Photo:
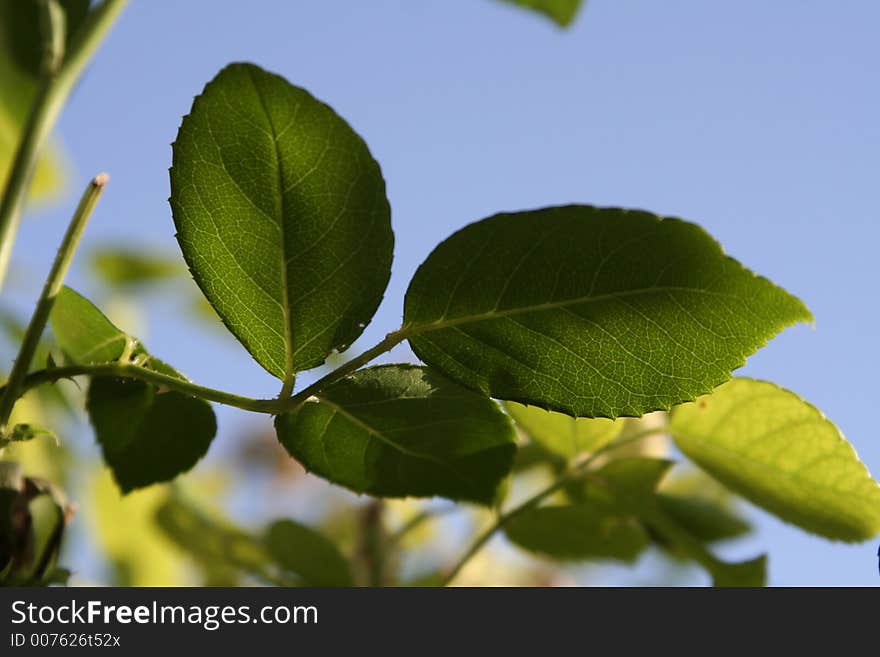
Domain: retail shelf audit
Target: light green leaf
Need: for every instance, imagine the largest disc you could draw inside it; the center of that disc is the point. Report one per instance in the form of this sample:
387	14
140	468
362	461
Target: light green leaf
83	332
562	12
129	267
578	531
148	436
402	430
775	449
591	312
282	217
562	434
308	554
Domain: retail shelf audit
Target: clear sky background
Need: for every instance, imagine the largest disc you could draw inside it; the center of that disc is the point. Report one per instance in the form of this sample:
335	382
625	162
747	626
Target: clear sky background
756	119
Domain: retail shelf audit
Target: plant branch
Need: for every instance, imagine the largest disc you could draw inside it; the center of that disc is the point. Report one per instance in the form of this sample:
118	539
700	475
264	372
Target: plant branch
52	93
54	282
391	340
575	472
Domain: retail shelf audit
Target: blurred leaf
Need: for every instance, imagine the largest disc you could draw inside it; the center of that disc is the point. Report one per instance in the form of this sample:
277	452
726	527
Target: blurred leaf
707	521
212	542
630	486
282	218
20	54
772	447
578	531
402	430
562	434
123	266
23	432
593	312
125	530
531	454
148	436
308	554
562	12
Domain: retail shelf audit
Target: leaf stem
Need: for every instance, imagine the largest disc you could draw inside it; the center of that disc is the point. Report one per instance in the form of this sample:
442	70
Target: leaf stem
133	371
391	340
52	287
575	472
52	93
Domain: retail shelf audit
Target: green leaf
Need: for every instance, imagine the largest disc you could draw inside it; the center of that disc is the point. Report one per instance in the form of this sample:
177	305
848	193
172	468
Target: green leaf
783	454
148	436
562	434
129	267
23	33
308	554
630	485
562	12
591	312
282	218
83	332
402	430
578	531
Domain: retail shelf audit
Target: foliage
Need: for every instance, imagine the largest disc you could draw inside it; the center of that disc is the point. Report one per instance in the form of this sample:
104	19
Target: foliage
542	334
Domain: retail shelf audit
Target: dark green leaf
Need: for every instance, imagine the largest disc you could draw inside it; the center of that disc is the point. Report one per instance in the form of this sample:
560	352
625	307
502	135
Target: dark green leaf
562	12
282	217
705	520
148	436
578	531
561	434
23	34
591	312
402	430
308	554
775	449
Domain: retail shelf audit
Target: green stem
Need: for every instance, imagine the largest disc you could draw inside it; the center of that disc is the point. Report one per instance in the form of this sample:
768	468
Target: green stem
132	371
127	370
391	340
54	282
574	473
51	96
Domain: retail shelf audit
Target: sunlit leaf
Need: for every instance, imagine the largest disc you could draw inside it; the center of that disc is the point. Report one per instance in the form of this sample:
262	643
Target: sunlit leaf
775	449
562	434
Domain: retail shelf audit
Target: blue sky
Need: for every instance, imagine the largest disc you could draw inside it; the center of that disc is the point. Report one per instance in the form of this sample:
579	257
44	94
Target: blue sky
757	120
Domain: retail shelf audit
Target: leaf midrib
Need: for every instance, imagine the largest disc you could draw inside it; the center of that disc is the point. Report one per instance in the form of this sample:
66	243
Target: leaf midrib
414	329
289	372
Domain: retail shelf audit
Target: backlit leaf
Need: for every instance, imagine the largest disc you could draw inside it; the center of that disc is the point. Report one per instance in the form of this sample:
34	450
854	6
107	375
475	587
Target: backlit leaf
591	312
775	449
402	430
282	217
562	434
